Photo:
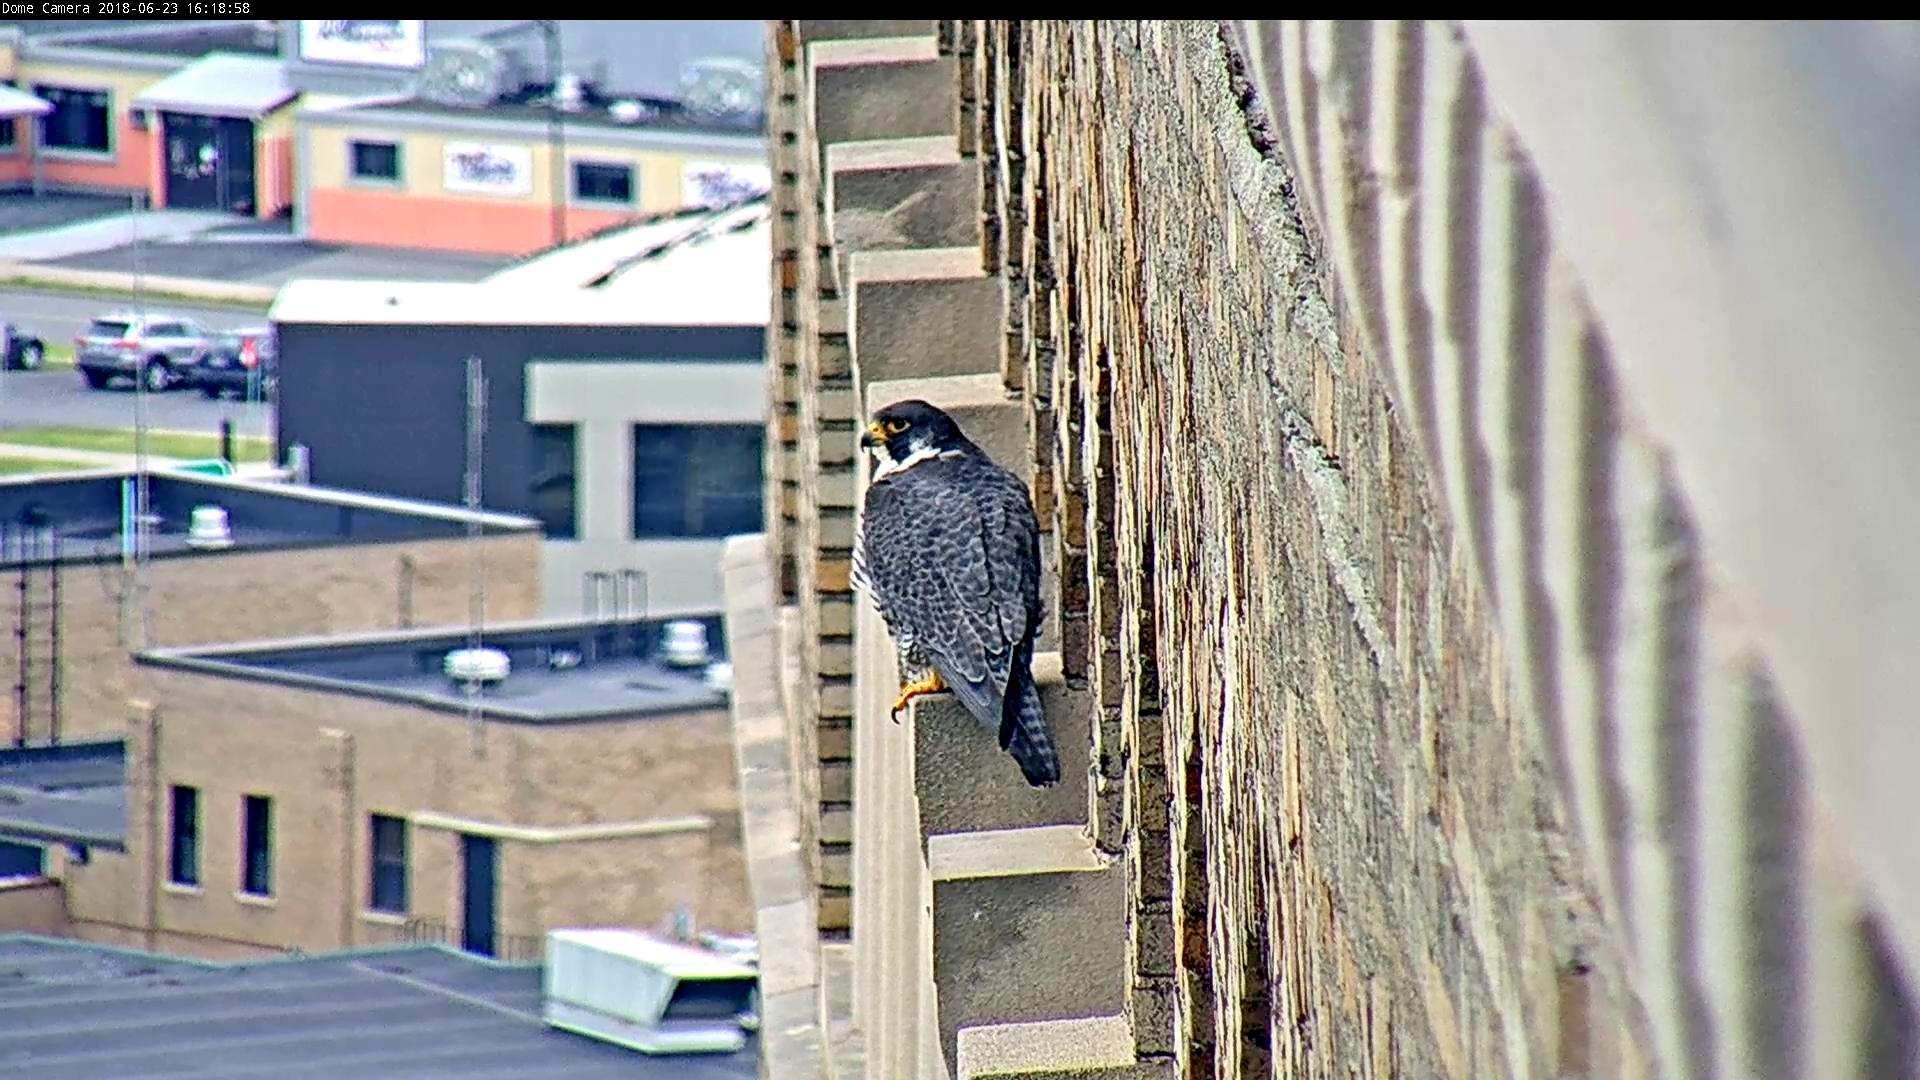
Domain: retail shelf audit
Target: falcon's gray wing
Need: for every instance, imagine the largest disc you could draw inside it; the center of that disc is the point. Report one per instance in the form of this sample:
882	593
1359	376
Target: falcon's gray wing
943	558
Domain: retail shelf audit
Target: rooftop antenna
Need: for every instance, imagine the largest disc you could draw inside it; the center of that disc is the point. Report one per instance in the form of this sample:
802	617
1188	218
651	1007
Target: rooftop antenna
476	552
135	617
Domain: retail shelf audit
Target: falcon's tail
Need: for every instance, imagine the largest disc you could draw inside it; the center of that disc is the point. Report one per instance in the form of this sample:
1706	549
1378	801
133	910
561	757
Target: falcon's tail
1023	731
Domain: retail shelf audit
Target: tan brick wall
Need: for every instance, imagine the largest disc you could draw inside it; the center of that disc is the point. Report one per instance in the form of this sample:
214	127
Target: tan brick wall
329	760
36	906
210	598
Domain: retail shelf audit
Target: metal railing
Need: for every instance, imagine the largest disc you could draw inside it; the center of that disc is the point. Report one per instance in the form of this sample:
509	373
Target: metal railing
507	948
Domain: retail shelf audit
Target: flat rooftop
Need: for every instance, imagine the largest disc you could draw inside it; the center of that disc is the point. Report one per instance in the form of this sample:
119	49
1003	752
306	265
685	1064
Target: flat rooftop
81	517
72	793
561	671
71	1010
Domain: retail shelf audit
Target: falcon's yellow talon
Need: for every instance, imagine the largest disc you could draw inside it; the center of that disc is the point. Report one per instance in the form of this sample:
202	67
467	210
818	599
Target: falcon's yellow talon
929	685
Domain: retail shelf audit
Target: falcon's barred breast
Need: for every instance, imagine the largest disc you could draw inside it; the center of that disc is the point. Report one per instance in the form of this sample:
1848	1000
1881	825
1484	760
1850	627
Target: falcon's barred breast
949	550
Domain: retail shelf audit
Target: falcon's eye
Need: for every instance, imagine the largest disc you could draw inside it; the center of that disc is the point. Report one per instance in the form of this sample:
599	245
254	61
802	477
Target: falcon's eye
895	427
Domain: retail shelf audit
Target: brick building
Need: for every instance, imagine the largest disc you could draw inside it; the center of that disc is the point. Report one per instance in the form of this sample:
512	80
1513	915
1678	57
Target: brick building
335	792
1468	659
302	560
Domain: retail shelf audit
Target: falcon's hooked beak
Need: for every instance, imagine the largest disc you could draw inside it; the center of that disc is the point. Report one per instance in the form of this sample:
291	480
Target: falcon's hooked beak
875	435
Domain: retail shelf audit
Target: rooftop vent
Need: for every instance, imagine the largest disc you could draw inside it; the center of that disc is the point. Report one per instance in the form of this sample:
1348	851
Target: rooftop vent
208	528
568	92
684	644
482	666
720	675
635	990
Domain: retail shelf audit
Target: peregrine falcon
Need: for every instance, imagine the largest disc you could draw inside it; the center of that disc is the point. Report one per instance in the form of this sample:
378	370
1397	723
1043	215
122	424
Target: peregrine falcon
950	552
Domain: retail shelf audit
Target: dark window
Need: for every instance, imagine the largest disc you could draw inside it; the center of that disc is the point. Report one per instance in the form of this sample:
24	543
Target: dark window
376	161
602	183
22	860
552	490
256	874
387	889
696	479
80	120
7	133
183	853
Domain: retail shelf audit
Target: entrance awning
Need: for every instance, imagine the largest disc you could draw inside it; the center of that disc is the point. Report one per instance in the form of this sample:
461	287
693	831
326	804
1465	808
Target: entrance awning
17	104
222	84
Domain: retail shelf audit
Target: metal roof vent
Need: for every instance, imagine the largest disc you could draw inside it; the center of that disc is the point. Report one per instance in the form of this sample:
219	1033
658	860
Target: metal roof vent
684	644
568	92
636	990
483	666
208	528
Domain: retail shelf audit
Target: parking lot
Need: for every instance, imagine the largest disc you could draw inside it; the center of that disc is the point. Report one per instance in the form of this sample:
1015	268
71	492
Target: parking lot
41	398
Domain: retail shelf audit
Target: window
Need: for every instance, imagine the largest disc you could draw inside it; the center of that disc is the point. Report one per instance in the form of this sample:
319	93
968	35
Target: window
603	183
80	120
7	133
696	479
22	860
387	889
183	848
551	488
376	160
256	872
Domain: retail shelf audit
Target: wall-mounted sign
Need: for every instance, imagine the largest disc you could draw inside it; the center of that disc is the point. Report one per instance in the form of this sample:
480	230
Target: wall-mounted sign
713	183
489	169
392	43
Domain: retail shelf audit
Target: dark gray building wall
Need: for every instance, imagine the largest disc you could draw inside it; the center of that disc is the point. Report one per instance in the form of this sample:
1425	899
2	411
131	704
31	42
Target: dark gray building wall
383	408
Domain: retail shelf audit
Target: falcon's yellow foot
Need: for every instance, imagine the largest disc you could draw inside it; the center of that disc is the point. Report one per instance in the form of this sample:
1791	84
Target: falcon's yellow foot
929	685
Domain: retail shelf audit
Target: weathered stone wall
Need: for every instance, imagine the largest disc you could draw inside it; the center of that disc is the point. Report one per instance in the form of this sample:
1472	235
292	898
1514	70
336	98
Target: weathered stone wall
1426	733
1344	840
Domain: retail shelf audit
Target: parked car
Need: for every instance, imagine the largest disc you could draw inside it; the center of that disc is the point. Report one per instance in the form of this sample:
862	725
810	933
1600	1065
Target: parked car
22	351
159	350
244	363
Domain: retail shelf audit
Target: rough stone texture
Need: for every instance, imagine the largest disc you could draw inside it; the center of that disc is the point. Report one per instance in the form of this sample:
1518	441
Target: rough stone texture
1342	844
209	597
1430	737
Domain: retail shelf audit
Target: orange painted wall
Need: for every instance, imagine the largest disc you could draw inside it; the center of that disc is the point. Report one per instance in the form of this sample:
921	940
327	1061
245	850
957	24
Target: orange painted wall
273	175
132	167
393	219
14	166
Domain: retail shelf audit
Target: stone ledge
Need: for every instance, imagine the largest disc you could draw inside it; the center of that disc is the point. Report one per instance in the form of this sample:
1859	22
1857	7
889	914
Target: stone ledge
854	52
1091	1047
1005	852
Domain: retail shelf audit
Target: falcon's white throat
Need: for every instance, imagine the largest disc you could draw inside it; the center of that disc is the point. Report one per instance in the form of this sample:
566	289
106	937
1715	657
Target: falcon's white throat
916	453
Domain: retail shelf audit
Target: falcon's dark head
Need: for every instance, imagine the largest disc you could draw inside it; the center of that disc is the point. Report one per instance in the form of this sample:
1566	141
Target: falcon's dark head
906	428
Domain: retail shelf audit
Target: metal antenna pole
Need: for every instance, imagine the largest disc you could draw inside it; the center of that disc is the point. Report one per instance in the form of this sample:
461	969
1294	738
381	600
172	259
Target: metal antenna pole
476	551
142	499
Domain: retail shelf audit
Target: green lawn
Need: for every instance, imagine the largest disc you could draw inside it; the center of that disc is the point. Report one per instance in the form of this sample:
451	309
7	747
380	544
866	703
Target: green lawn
120	441
13	466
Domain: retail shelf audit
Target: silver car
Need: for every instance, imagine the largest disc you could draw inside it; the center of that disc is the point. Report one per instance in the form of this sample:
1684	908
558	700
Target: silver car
158	349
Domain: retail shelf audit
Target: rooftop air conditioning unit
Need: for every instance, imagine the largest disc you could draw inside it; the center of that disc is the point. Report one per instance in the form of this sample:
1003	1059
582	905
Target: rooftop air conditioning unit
470	73
635	990
481	666
208	528
684	644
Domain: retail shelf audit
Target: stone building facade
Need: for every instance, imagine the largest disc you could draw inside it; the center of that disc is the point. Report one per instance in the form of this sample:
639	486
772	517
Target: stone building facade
1425	709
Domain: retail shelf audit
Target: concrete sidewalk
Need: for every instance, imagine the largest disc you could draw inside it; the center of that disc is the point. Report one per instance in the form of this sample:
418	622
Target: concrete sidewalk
110	232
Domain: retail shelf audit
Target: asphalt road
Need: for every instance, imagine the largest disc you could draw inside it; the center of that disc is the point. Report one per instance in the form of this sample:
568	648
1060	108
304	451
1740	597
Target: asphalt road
32	399
56	318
